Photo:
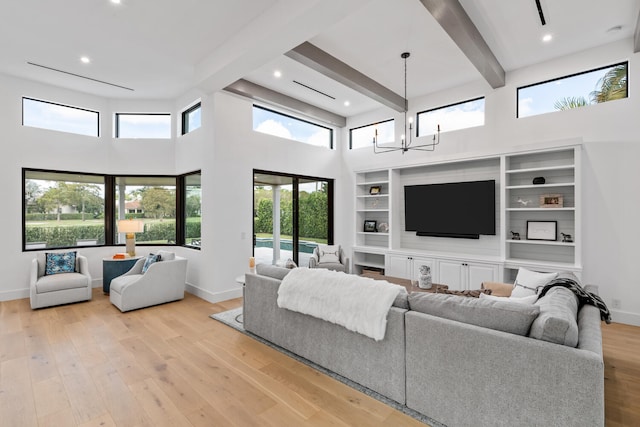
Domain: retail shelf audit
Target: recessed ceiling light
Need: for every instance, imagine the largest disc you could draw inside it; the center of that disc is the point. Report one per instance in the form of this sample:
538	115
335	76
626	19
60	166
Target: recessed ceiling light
85	59
347	103
277	74
115	1
547	38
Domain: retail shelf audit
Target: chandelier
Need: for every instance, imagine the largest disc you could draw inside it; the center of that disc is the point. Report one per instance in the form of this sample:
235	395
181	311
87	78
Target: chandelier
406	145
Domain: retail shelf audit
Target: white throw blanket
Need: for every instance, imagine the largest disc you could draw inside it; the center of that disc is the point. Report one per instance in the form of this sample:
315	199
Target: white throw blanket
358	303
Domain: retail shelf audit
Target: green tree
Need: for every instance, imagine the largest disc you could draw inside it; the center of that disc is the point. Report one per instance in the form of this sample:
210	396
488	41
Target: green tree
193	206
159	202
32	192
85	198
613	85
54	198
263	222
570	102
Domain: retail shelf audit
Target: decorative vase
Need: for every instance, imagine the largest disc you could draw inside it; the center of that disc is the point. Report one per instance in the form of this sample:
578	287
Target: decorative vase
425	277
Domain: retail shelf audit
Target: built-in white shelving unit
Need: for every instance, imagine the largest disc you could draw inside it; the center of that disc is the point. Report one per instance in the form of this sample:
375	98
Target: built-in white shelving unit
518	200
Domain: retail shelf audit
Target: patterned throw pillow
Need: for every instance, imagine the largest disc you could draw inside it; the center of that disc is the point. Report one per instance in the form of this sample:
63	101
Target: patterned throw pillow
328	253
151	258
60	262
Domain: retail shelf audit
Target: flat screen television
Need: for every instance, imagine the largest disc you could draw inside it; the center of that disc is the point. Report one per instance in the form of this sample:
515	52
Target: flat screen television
456	209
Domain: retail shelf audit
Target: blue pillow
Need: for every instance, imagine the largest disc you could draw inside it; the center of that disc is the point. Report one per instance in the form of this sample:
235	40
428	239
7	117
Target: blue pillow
60	262
151	258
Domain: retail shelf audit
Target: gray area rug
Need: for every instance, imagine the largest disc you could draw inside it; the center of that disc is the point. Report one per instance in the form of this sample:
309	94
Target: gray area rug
233	318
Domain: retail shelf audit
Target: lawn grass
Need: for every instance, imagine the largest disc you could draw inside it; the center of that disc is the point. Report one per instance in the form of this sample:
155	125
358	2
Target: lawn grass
100	221
288	237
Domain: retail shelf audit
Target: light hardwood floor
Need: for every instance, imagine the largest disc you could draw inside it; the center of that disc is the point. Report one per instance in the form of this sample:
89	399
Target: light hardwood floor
87	364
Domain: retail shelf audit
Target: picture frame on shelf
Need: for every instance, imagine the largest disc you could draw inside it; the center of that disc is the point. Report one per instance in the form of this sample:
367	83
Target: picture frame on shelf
370	226
374	190
551	201
542	230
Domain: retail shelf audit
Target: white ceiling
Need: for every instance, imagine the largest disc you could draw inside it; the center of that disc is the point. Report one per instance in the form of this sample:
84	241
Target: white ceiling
163	48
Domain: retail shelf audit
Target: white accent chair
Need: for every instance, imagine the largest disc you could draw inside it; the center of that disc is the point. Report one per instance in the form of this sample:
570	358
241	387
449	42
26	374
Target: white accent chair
61	288
342	265
164	281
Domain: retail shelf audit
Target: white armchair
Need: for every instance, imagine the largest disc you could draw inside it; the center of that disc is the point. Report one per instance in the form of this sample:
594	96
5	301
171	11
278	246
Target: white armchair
62	288
164	281
315	261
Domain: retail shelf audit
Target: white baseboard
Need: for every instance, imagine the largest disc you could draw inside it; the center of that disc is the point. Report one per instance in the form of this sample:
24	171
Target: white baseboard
625	317
14	294
213	297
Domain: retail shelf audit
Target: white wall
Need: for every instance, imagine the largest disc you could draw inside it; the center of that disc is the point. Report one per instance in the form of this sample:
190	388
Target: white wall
227	185
611	136
40	148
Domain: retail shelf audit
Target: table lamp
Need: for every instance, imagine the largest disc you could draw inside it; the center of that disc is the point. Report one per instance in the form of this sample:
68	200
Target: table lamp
130	227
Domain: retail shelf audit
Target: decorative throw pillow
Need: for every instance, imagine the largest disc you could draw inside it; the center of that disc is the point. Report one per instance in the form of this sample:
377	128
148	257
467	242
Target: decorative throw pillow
60	262
151	258
290	264
529	282
166	255
328	253
531	299
498	289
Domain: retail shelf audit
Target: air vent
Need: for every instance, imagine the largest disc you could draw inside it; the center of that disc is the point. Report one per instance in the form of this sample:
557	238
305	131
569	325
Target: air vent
313	89
78	75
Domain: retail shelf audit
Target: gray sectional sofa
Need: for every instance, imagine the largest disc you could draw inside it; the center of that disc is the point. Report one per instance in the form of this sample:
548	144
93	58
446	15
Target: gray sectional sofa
435	361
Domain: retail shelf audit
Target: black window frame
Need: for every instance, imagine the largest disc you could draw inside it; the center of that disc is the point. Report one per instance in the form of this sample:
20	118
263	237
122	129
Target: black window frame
97	135
185	118
331	133
109	208
295	208
117	123
181	209
364	126
568	76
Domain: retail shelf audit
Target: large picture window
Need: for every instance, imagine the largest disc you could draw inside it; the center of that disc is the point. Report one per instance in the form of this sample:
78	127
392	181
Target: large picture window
58	117
462	115
362	136
63	209
73	209
143	126
151	199
289	127
574	91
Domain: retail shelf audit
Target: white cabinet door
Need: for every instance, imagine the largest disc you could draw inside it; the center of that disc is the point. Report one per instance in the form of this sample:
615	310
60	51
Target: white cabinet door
397	266
416	263
479	273
451	273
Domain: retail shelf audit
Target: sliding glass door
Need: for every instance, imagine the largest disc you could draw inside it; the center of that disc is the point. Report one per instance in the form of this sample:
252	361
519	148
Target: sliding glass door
292	215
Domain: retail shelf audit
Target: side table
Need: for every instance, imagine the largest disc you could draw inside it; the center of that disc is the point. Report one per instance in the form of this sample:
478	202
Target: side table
112	268
407	283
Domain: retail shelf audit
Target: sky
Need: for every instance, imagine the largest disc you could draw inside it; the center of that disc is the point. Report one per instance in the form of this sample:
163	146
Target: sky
45	115
275	124
539	99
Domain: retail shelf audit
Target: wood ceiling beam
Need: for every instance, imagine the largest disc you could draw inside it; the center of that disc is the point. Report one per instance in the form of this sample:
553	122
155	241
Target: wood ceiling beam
260	93
330	66
454	20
